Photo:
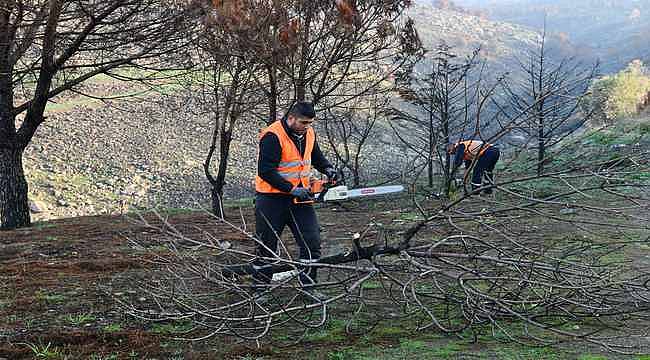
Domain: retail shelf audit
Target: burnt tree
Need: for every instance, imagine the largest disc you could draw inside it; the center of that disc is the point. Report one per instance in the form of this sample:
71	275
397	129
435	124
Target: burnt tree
308	49
48	47
551	93
274	53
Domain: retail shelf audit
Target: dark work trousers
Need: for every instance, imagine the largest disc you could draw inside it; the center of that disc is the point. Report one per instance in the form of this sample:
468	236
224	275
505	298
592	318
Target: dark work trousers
272	213
485	167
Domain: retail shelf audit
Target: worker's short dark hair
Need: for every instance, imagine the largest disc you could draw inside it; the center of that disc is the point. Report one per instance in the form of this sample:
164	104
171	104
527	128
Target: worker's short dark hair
303	109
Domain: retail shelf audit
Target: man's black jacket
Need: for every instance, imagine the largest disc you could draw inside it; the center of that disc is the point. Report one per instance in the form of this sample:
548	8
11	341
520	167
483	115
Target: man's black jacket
271	153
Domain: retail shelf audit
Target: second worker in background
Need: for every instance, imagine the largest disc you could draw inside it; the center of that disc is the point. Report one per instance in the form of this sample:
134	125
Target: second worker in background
468	151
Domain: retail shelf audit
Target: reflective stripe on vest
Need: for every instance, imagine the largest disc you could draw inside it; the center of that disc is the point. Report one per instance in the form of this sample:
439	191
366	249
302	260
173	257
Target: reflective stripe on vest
472	148
292	167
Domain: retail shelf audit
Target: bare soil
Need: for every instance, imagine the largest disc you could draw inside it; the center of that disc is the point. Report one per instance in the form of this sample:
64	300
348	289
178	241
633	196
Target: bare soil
55	271
59	281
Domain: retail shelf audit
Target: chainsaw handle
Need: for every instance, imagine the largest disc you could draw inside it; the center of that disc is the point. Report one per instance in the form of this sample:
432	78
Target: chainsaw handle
296	201
321	190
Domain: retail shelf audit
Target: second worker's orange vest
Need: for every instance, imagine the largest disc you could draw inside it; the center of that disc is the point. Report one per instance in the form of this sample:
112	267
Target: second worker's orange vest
293	167
472	149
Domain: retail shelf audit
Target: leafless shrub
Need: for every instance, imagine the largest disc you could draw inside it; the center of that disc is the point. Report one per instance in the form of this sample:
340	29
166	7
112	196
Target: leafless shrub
529	264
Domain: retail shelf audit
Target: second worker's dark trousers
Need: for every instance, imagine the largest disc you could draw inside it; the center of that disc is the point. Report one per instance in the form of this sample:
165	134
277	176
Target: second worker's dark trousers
272	213
485	167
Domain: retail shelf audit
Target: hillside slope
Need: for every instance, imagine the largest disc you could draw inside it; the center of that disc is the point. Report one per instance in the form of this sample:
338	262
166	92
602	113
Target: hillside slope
614	31
97	158
500	42
103	158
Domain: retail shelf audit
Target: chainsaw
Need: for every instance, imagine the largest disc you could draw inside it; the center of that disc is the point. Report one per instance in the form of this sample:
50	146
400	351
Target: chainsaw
327	190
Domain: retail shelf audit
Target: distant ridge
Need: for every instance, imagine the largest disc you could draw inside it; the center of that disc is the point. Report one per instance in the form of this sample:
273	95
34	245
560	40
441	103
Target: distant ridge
616	31
501	43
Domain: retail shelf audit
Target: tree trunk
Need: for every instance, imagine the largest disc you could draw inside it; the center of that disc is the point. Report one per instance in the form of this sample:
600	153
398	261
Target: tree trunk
541	142
430	168
217	201
431	148
356	178
272	95
540	153
445	141
217	189
447	170
14	209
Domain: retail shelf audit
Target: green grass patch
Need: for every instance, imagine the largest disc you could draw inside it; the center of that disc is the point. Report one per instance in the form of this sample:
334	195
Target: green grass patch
71	104
640	176
592	357
370	285
343	354
412	349
41	351
78	319
389	332
539	188
531	353
614	257
112	328
644	128
49	298
79	181
409	345
236	203
332	332
392	340
601	137
111	356
172	328
40	225
447	351
161	82
411	216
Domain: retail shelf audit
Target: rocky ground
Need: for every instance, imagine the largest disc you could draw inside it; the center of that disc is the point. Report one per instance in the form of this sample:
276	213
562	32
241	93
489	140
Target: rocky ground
501	43
101	159
92	157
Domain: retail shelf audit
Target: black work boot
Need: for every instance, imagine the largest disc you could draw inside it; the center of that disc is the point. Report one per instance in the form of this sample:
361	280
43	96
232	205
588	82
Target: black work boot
308	276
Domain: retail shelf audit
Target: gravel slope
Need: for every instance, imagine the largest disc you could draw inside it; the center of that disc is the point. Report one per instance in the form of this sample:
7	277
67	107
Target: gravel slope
100	158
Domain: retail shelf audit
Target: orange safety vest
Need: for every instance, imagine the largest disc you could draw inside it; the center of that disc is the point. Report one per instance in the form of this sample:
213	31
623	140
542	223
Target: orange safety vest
292	167
472	149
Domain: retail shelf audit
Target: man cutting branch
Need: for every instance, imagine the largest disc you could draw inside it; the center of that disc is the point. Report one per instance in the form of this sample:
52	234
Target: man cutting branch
287	152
